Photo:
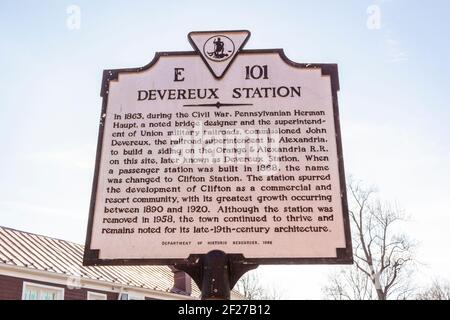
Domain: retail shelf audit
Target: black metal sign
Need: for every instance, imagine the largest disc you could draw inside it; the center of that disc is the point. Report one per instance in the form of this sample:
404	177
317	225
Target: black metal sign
220	150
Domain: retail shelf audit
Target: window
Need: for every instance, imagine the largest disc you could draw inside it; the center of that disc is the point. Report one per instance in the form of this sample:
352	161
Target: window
127	296
96	296
34	291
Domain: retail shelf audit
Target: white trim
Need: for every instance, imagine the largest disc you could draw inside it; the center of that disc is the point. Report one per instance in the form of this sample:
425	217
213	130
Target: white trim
42	286
103	296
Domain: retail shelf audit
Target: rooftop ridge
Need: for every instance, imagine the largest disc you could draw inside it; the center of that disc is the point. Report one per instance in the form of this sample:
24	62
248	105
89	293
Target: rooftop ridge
40	235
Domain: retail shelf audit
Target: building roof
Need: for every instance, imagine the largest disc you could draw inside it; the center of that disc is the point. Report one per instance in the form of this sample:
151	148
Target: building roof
32	251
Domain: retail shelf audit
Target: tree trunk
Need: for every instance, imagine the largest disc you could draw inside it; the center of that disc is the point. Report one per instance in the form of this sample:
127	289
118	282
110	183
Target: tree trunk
381	295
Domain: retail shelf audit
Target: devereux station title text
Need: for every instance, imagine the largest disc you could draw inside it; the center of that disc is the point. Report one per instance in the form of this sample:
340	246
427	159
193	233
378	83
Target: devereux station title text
214	93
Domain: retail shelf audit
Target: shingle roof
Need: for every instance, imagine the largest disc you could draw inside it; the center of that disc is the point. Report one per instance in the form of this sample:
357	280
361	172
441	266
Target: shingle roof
24	249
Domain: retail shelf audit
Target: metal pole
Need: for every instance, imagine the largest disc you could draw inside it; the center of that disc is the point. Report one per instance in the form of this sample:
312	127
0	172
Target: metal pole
215	276
216	272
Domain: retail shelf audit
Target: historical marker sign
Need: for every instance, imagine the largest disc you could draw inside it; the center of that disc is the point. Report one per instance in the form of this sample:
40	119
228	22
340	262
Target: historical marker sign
219	149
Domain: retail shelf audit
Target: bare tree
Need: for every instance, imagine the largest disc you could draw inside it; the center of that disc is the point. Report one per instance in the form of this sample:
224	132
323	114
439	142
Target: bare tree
439	290
251	288
349	284
383	255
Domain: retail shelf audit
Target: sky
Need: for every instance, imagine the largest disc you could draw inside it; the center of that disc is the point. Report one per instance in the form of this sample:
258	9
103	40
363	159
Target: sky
394	102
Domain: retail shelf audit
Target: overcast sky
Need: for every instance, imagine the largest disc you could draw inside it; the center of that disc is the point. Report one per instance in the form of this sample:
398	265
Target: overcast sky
394	70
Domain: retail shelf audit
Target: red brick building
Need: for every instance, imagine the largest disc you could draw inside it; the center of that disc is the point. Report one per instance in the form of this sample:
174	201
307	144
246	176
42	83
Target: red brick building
39	267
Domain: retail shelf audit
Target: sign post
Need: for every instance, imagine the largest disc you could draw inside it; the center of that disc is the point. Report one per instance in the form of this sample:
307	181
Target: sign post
218	160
